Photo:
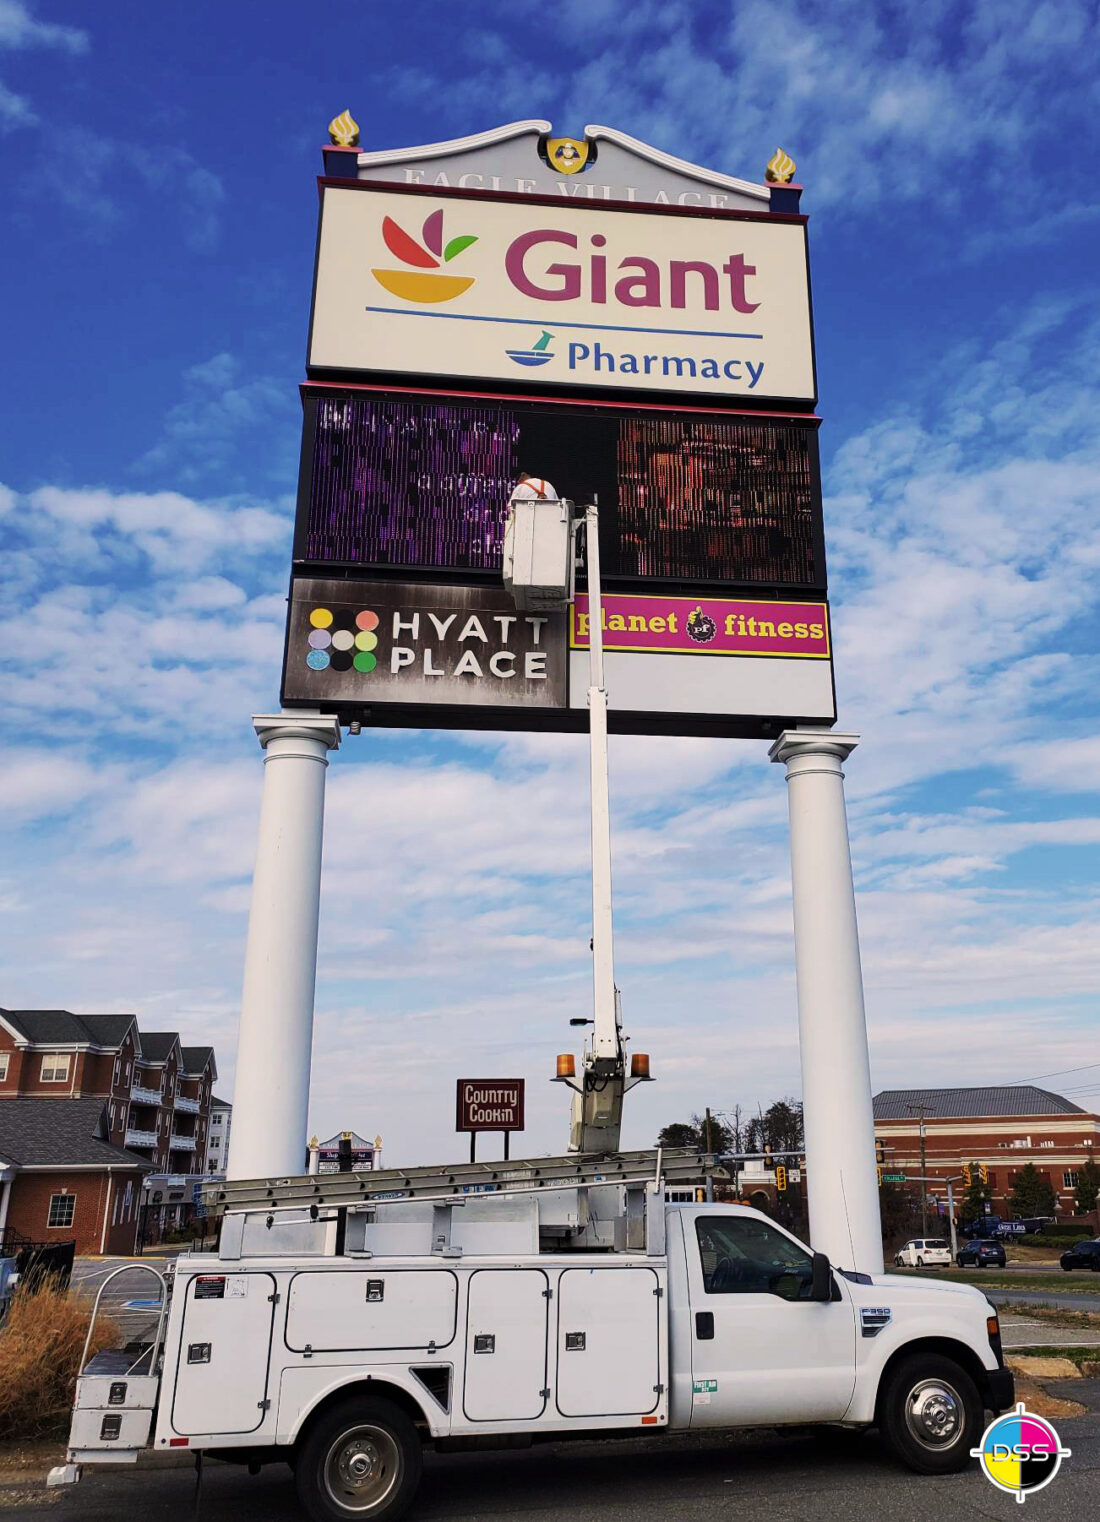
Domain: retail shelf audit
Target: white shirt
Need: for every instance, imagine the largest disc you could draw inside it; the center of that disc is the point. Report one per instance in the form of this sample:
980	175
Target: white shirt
533	489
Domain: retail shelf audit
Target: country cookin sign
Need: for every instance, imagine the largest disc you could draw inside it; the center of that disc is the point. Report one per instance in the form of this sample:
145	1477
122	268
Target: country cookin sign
489	1104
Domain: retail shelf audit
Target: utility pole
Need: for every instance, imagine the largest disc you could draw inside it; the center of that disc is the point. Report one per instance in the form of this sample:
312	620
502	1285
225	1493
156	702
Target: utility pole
951	1218
708	1136
921	1110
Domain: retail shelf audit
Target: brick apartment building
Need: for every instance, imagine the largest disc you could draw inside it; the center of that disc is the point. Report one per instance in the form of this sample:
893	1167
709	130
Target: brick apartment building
154	1094
61	1179
1003	1127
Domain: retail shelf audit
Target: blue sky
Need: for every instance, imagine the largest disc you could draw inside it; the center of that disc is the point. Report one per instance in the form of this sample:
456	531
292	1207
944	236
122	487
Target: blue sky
158	168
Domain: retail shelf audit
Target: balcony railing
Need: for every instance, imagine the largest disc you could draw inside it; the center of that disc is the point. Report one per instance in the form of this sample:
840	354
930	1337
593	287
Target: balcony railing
181	1143
135	1138
143	1096
188	1106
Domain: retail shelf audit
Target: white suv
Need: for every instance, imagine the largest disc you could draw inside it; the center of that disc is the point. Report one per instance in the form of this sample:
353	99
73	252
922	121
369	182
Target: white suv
924	1252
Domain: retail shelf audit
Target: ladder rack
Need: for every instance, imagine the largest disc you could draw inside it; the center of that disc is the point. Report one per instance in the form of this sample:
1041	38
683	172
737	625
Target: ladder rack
463	1180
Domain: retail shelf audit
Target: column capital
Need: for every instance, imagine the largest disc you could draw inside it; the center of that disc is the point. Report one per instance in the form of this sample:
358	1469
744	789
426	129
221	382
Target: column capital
297	726
813	742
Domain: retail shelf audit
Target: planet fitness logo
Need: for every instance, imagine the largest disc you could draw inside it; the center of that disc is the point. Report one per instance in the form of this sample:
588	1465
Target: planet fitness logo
344	641
412	284
701	627
1020	1453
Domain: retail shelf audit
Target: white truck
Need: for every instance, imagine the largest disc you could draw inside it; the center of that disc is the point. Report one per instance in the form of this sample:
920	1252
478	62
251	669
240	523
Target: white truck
348	1322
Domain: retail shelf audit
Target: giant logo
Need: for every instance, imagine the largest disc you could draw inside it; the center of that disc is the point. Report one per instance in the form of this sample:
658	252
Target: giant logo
412	284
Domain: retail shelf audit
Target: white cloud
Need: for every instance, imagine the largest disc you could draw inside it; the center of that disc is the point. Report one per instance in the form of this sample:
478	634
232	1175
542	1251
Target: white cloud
19	29
875	102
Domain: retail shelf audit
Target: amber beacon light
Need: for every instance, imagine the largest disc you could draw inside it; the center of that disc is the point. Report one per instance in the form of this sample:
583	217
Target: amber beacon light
639	1065
567	1065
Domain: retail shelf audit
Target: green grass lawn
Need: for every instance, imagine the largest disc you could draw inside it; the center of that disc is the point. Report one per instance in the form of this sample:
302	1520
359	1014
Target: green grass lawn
1080	1282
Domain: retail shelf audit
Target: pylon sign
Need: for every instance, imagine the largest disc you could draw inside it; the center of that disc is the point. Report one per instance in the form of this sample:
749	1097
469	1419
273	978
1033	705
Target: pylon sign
634	328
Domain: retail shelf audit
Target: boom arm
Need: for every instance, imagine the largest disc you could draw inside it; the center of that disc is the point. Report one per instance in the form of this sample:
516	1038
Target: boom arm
597	1111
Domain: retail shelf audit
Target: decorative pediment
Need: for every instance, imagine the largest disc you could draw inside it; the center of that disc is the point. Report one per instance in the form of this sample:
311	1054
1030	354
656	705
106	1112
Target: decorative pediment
529	158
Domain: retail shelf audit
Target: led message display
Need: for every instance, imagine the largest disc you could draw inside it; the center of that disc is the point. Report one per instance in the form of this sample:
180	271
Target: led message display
423	483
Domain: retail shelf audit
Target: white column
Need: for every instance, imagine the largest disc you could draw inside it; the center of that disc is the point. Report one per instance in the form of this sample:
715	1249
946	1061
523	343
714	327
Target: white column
832	1026
271	1095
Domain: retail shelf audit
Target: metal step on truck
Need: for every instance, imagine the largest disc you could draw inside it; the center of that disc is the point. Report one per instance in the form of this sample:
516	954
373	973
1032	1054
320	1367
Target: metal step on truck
349	1322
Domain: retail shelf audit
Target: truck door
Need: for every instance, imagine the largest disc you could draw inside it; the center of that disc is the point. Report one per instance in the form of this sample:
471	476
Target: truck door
225	1348
609	1342
760	1351
506	1345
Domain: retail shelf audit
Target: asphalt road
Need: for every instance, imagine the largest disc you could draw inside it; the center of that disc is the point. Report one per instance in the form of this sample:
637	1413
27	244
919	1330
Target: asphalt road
750	1477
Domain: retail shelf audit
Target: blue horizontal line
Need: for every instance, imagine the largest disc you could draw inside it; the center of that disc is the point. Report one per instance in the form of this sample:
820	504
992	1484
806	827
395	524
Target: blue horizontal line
535	322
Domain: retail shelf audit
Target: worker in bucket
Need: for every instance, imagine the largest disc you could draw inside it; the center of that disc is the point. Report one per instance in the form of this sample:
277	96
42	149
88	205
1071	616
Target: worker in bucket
532	489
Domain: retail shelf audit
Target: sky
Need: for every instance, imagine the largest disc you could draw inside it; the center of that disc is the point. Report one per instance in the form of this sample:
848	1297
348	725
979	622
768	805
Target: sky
159	172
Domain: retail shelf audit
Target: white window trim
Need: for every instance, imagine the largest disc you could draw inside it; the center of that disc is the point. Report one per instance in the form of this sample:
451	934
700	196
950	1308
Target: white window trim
60	1225
1070	1178
5	1063
53	1058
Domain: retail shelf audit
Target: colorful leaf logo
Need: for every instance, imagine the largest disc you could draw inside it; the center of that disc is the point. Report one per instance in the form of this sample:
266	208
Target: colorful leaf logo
409	251
424	255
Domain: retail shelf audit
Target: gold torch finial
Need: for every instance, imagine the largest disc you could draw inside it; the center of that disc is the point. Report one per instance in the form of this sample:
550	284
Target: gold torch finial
780	168
344	130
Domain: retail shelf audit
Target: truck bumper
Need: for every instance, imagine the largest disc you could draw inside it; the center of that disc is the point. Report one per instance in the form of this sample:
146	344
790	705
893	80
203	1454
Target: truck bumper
1000	1390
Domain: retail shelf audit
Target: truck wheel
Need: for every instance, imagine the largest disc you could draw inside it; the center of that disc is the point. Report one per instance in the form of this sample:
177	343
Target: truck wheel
361	1460
930	1414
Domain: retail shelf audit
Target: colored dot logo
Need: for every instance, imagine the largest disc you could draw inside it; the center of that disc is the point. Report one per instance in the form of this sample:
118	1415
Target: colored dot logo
342	640
1020	1453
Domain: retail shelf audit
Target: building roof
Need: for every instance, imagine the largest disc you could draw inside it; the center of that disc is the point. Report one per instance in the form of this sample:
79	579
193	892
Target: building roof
155	1045
1021	1099
61	1133
108	1030
219	1104
62	1028
195	1058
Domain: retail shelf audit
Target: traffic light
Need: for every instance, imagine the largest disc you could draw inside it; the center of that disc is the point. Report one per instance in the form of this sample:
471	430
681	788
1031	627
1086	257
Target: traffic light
968	1175
880	1151
983	1172
769	1162
781	1178
879	1172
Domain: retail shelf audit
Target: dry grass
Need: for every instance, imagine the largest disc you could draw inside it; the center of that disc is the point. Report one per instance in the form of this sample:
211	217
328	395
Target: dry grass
40	1347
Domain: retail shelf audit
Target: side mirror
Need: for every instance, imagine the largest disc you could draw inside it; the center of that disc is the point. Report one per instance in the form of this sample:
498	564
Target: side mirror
821	1286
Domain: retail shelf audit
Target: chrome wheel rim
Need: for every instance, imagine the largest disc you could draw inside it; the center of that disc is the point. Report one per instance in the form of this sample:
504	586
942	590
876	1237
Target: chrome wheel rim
934	1414
362	1468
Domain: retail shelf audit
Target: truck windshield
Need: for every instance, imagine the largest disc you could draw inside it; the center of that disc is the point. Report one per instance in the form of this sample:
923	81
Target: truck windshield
740	1255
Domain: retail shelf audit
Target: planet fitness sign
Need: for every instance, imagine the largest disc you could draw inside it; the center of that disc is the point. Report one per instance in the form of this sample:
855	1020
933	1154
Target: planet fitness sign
437	285
712	626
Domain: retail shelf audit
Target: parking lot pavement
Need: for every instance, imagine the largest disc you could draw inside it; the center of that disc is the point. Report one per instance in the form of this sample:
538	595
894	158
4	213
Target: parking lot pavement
1019	1332
1043	1297
90	1273
753	1477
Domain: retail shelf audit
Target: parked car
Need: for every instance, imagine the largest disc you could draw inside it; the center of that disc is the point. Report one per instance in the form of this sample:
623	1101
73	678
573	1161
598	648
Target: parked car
984	1253
984	1226
924	1252
1082	1255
